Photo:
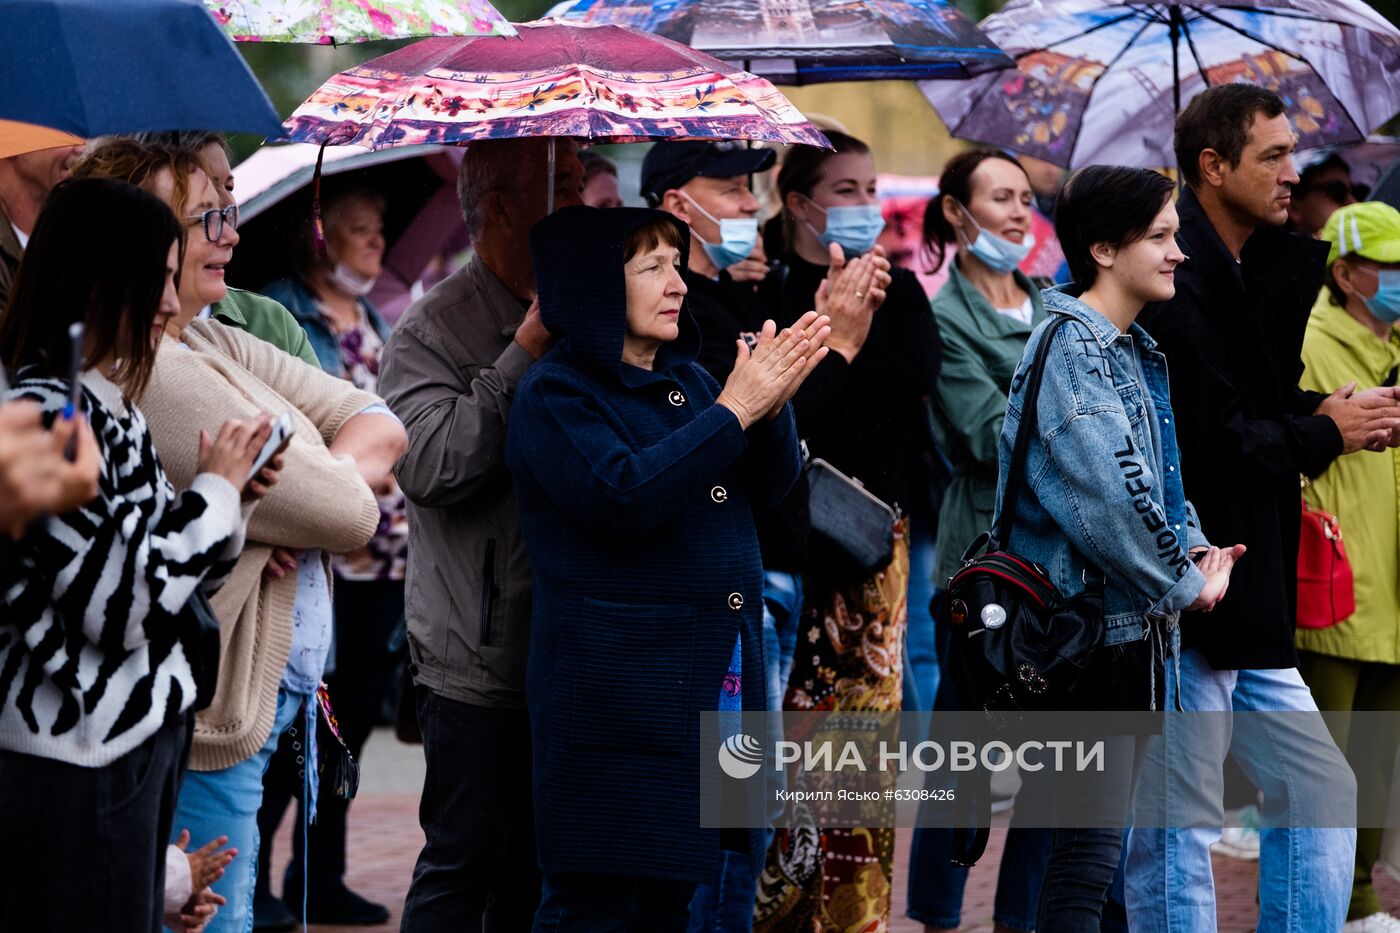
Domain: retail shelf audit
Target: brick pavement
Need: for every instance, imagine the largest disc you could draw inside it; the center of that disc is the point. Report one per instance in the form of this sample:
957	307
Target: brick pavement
385	838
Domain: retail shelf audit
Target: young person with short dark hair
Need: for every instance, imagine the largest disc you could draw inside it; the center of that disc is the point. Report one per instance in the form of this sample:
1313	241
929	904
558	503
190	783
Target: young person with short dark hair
1104	505
1233	331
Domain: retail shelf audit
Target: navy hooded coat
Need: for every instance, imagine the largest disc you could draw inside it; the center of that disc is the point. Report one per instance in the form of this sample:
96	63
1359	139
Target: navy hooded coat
637	497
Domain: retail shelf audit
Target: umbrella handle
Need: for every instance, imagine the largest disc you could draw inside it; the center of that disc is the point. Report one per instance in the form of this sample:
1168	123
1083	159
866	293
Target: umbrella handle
318	230
549	196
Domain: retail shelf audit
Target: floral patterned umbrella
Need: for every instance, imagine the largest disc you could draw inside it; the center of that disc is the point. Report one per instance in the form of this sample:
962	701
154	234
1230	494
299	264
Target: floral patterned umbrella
327	22
607	83
1101	81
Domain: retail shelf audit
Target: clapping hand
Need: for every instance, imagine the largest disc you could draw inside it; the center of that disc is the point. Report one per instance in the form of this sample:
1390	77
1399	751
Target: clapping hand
850	295
766	377
1216	564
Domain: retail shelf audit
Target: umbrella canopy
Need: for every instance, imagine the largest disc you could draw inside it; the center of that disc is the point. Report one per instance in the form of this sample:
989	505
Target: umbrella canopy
810	41
19	138
326	22
421	219
1100	81
595	82
92	67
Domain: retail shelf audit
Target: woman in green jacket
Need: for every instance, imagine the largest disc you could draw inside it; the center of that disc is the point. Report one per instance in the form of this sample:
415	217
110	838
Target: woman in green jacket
985	313
1355	664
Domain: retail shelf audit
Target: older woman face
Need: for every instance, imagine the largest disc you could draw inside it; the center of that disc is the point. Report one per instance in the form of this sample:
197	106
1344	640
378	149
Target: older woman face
355	235
209	243
655	290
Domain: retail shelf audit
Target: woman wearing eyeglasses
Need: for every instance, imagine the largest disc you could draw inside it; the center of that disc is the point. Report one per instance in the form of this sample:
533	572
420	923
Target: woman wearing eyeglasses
275	615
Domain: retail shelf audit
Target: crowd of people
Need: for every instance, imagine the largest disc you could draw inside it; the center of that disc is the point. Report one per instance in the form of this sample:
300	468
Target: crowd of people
573	473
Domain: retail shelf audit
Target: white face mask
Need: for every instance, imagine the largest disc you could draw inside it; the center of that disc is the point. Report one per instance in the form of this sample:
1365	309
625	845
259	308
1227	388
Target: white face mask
351	282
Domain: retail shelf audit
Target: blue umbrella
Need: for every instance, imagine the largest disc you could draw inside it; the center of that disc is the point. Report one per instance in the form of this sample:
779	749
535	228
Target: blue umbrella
92	67
811	41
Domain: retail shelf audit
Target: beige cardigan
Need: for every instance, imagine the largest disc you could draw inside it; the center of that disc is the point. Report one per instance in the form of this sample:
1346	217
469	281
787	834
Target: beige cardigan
318	502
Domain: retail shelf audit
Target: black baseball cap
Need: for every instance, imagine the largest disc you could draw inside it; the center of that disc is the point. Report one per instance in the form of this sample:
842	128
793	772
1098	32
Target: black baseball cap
672	163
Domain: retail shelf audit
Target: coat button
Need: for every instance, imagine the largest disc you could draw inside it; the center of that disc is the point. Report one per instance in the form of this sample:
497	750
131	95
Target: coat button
719	494
676	398
736	601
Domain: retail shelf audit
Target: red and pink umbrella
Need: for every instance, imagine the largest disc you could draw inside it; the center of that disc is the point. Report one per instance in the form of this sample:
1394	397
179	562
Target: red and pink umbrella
607	83
327	22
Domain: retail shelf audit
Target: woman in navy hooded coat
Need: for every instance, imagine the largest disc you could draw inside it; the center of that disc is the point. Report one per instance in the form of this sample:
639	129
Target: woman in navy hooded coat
639	478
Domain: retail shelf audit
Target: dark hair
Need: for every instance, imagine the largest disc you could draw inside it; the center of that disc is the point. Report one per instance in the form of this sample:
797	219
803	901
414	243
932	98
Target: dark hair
955	183
595	163
1219	119
191	141
802	170
1106	204
1308	176
114	289
650	235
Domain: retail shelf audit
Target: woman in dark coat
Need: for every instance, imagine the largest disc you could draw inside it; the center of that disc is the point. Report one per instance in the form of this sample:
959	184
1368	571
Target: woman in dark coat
638	481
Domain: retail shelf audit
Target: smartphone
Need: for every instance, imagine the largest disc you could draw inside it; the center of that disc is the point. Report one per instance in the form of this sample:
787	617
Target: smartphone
281	431
75	381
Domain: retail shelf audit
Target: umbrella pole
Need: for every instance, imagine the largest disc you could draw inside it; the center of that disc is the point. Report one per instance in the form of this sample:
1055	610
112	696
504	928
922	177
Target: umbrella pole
1176	24
549	196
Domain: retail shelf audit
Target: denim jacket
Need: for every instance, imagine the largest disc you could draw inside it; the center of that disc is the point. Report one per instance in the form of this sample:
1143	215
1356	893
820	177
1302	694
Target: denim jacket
298	299
1105	503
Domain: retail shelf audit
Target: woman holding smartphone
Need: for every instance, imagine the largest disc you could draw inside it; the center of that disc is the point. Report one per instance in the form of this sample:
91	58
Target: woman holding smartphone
94	674
275	610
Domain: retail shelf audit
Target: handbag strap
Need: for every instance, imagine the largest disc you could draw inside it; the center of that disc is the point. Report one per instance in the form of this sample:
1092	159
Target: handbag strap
1016	475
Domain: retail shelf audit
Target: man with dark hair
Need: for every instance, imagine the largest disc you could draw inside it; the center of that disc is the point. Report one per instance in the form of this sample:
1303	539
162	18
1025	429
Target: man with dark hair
1233	334
449	371
1323	187
599	180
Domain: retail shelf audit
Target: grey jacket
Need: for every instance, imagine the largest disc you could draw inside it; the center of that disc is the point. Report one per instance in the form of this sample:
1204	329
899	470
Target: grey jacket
449	372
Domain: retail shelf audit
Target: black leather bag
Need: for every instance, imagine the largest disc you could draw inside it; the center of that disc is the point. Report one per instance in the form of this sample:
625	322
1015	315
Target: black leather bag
854	523
199	636
1017	643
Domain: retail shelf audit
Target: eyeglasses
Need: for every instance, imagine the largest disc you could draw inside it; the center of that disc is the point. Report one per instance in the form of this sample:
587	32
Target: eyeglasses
215	220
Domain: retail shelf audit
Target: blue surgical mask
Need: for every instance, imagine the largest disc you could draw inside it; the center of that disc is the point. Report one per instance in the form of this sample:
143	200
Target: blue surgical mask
737	235
999	254
855	227
1385	304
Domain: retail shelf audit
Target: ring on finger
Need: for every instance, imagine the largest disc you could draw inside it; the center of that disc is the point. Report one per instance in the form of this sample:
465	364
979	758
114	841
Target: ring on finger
860	294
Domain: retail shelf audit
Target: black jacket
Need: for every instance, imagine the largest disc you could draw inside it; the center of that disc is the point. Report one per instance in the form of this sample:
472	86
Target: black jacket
1232	336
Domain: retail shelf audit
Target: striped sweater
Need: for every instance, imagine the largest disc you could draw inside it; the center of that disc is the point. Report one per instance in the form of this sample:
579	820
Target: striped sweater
91	663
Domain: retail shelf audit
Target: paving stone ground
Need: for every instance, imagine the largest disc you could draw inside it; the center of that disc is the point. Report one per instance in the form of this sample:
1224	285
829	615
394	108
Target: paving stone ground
385	839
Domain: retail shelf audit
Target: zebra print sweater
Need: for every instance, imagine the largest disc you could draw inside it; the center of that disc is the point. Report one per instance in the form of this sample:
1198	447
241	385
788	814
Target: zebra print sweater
91	661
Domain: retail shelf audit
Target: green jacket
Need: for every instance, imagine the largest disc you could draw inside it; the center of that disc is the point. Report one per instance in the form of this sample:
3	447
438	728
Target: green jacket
1360	490
981	347
265	319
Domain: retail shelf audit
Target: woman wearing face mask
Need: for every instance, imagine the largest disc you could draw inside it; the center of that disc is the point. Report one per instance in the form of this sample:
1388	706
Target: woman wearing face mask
985	312
1355	664
327	298
861	410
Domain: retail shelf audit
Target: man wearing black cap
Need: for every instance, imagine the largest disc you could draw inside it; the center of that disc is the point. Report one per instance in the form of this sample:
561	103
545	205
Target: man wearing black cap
706	185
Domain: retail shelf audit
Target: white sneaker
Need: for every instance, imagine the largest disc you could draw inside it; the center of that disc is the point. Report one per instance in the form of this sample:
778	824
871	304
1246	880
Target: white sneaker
1241	841
1376	923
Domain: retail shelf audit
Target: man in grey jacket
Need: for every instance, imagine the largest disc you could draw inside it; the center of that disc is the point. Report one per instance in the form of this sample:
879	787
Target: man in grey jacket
449	371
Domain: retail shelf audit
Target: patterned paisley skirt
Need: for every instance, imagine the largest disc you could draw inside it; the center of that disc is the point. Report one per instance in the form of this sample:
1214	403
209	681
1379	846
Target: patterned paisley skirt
850	656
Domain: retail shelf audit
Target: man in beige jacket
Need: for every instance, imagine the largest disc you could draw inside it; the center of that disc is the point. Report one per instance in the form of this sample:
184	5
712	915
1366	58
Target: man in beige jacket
449	372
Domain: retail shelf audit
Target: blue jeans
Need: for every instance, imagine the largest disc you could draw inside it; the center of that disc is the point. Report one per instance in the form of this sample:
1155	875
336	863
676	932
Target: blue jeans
1305	874
225	803
921	669
726	905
